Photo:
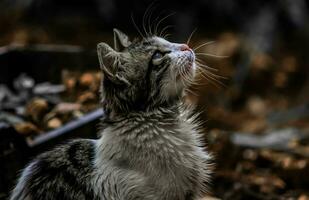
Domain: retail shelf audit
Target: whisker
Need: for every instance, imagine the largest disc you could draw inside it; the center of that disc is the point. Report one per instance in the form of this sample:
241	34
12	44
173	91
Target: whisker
181	73
149	19
209	69
190	36
194	93
187	77
191	91
144	16
214	75
164	29
213	81
134	24
166	35
205	66
197	80
158	24
175	83
206	75
212	55
200	46
157	19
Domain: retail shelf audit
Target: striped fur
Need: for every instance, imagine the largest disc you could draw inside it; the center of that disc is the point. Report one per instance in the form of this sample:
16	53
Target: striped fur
149	147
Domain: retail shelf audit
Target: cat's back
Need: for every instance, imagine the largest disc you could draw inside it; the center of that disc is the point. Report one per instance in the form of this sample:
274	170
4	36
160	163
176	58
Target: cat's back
63	172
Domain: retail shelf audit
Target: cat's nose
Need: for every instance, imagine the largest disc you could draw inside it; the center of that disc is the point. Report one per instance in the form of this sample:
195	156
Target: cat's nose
184	47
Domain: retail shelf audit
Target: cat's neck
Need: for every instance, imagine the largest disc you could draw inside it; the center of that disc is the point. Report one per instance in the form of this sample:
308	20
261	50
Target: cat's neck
166	111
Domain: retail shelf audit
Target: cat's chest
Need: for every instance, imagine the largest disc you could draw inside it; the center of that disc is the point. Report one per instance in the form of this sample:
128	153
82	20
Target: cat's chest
158	140
163	148
170	163
166	157
151	144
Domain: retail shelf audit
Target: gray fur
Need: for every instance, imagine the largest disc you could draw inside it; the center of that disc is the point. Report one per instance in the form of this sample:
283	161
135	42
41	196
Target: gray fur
149	148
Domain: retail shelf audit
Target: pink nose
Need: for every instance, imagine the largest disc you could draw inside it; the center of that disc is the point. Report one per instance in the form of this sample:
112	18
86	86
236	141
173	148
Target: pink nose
184	47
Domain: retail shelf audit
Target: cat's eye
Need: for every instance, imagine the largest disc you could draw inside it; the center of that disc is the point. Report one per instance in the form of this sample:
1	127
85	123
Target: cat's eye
157	55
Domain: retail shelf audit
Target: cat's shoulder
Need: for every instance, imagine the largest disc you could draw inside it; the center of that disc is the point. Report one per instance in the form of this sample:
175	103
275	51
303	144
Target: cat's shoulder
74	157
78	152
67	167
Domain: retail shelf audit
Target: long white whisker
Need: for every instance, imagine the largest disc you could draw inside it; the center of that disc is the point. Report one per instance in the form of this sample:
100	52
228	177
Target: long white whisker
145	17
155	22
190	81
213	74
210	80
175	83
205	66
164	29
184	74
191	91
158	24
190	36
205	74
211	55
200	46
134	24
149	19
166	35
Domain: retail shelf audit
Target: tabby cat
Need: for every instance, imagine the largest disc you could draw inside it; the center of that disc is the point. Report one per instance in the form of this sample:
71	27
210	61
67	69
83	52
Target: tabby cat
149	147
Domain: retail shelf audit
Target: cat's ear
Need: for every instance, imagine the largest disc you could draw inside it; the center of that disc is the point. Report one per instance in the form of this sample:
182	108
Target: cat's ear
121	40
109	63
107	58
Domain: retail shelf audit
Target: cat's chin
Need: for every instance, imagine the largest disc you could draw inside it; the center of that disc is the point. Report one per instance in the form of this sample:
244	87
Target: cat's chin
190	68
188	72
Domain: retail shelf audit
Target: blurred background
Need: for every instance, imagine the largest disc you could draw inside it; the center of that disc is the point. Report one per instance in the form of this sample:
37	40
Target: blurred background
256	116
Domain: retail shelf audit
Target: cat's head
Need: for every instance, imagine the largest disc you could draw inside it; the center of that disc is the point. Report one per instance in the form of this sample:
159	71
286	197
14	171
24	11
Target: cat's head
145	73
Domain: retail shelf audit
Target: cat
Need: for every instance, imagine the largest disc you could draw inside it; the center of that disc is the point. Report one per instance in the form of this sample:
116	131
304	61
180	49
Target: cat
149	147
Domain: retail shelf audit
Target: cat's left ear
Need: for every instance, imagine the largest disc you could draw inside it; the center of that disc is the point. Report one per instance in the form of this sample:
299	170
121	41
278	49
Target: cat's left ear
121	40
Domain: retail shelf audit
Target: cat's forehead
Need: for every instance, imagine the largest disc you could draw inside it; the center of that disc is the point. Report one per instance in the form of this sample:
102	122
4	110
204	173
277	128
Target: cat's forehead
150	44
157	43
160	41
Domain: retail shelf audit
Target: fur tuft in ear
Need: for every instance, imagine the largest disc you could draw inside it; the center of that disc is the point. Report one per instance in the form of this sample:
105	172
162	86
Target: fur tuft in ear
121	40
110	63
107	58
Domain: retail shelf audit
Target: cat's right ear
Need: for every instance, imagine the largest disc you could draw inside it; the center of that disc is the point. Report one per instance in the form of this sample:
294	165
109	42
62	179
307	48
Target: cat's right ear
121	40
107	59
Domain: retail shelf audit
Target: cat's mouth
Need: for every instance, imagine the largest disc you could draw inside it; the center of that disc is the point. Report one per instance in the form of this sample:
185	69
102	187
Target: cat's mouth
191	59
186	70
